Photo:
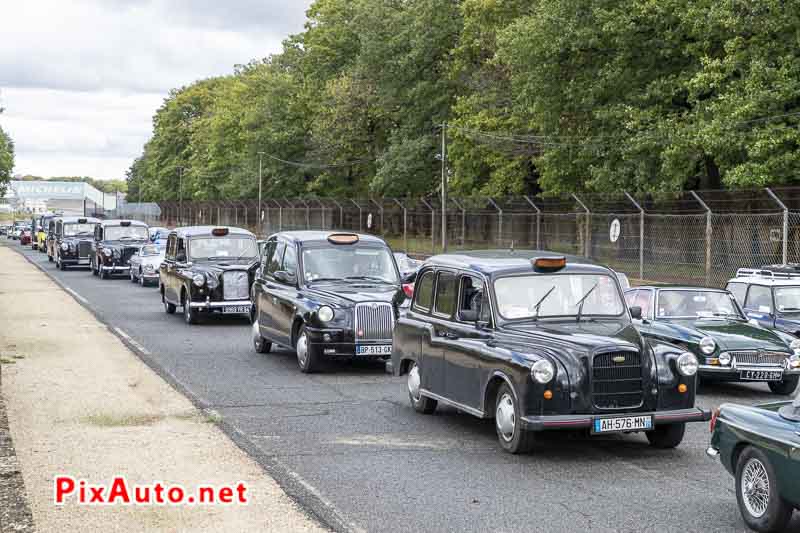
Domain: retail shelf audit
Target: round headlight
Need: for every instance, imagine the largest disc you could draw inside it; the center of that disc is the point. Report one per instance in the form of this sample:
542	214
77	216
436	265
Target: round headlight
793	362
687	364
107	252
724	359
707	345
199	280
325	314
543	371
64	246
795	345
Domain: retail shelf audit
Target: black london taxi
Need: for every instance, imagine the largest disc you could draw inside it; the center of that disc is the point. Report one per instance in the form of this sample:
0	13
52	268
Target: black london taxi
208	269
72	241
327	296
115	241
709	323
539	342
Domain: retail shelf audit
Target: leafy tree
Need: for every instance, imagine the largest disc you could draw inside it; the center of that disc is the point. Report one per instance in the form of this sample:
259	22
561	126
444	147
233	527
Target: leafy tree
6	160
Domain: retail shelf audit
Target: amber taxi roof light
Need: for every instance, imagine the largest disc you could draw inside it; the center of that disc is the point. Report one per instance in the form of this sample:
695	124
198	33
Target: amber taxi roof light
342	238
549	263
125	223
219	232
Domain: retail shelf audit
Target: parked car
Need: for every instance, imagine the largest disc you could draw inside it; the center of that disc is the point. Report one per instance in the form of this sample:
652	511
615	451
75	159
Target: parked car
145	263
327	296
709	323
115	241
34	242
50	239
760	447
44	227
540	342
72	241
406	265
208	270
25	235
770	296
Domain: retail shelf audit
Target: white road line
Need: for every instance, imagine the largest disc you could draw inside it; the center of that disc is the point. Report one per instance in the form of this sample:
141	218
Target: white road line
135	344
76	295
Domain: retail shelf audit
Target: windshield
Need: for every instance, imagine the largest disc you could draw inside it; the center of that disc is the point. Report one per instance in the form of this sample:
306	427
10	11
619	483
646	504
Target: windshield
787	298
151	249
222	248
351	262
557	295
696	304
78	229
125	233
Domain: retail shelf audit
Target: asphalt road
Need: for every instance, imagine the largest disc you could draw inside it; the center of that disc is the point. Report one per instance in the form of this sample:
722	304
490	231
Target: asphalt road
348	446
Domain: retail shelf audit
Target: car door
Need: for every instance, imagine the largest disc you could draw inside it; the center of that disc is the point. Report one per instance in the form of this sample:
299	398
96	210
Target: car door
268	301
168	270
431	352
464	343
758	305
284	295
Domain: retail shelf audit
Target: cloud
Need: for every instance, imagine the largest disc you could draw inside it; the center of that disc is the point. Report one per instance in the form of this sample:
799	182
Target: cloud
80	80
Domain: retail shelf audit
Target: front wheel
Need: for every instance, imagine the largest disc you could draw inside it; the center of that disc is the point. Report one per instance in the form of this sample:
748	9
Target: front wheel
133	276
189	314
508	423
420	403
761	506
168	307
785	387
306	358
667	436
260	344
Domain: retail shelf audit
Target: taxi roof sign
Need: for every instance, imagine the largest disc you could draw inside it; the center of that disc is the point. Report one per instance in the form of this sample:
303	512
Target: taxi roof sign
343	238
549	263
219	232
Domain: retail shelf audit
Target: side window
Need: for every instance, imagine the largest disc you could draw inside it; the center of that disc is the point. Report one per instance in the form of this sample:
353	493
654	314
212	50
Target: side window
290	259
445	295
269	251
470	298
423	293
277	258
180	253
630	298
759	299
738	290
645	300
171	247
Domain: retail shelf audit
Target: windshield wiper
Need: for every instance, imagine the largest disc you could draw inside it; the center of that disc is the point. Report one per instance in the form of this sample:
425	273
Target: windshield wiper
582	300
541	301
370	278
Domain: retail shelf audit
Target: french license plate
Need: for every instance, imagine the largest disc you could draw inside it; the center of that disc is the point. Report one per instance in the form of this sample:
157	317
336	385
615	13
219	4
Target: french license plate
236	310
622	423
374	349
761	375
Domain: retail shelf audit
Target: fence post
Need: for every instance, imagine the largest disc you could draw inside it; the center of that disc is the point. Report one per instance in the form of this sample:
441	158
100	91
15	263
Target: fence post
588	244
280	215
709	231
499	222
538	219
380	210
785	224
433	225
341	213
218	216
308	213
405	224
641	234
360	227
322	211
463	221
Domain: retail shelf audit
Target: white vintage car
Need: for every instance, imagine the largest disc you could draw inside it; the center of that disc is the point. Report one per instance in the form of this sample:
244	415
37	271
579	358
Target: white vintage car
145	262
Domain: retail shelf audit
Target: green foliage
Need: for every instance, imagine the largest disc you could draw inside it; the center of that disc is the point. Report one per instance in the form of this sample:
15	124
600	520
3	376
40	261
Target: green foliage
539	96
6	160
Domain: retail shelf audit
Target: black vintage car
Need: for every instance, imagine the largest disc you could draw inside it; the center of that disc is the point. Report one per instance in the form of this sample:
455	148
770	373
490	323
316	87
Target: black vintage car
115	241
327	296
72	241
539	342
208	270
709	323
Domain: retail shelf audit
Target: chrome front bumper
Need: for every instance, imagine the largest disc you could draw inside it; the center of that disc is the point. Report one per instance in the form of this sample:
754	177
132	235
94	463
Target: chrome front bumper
735	369
115	268
540	423
220	305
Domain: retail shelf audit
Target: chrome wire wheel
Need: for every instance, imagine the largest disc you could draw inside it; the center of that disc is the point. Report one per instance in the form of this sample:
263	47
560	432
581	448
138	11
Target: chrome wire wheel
302	349
755	488
413	383
505	417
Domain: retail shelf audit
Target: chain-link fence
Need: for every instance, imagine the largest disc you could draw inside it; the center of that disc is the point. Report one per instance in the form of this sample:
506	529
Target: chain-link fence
698	238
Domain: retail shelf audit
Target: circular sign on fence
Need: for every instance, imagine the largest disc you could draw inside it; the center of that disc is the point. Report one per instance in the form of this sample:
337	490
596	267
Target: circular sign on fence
615	230
369	221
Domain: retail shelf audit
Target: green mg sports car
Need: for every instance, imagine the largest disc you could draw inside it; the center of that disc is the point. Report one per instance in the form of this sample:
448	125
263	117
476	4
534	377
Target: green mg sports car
760	446
710	324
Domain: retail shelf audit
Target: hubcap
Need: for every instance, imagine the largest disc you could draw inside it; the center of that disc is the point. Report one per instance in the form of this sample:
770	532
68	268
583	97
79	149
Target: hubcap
755	488
302	350
413	383
505	417
256	335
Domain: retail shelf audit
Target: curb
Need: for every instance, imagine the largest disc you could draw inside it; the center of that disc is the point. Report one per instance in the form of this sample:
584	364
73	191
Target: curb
15	512
303	495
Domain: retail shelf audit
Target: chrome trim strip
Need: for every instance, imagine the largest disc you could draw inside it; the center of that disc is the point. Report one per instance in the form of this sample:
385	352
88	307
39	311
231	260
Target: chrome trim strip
115	268
219	305
461	406
792	445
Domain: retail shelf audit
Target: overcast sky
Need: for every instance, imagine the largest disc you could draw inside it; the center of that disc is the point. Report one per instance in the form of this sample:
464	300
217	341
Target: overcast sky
81	79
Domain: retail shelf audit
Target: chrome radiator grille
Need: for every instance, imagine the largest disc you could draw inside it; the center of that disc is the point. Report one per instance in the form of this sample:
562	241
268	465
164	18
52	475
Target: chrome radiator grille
374	322
617	385
84	249
754	357
235	285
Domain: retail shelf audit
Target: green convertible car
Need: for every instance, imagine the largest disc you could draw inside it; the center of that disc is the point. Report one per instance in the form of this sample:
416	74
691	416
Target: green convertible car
710	324
760	446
